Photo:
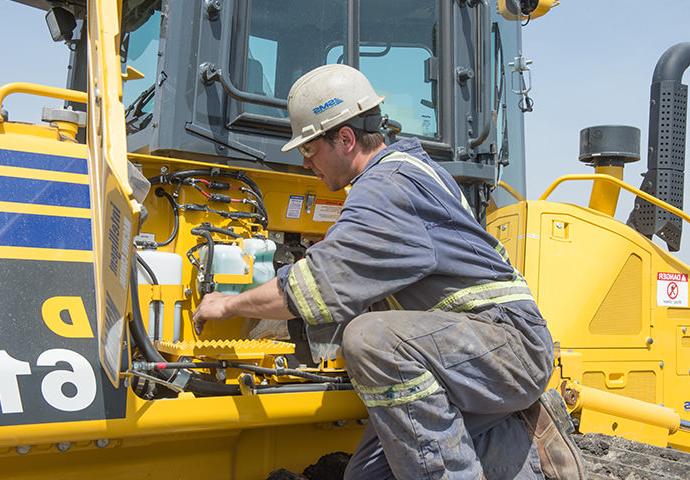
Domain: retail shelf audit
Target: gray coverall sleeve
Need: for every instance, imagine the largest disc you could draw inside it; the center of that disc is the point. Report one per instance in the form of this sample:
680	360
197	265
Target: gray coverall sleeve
377	247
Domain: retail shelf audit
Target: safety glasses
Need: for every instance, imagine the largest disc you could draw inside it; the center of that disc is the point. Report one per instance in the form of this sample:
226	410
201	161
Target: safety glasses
307	150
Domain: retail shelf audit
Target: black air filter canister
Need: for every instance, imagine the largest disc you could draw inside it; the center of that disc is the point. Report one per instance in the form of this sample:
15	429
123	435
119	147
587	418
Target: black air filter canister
609	145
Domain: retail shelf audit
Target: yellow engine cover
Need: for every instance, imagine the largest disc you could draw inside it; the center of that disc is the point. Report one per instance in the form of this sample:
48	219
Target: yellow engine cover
615	302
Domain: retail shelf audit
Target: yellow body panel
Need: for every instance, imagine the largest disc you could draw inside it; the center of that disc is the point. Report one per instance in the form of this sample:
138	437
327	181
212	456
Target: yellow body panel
242	437
595	280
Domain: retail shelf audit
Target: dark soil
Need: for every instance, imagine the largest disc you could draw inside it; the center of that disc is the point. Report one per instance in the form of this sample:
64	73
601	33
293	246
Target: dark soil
617	458
328	467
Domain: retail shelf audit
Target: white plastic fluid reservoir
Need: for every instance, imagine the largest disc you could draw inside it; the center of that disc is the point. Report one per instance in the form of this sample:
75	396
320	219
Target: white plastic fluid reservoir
167	267
227	259
262	251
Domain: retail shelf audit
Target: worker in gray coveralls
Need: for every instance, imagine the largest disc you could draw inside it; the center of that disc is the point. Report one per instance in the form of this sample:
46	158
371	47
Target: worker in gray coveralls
452	370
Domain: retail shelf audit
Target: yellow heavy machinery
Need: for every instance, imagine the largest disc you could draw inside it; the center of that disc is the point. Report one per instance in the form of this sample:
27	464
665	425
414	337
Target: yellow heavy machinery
114	225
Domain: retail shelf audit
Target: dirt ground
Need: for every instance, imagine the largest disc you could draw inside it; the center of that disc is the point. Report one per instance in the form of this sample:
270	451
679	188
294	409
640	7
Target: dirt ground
616	458
605	458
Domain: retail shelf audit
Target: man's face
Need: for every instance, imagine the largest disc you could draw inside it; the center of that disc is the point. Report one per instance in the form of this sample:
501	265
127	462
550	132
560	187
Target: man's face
328	161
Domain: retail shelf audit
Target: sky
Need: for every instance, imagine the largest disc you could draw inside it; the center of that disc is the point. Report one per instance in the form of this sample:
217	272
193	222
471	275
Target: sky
592	65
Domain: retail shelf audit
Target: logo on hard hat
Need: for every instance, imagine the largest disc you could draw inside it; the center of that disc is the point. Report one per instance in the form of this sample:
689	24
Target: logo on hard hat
326	105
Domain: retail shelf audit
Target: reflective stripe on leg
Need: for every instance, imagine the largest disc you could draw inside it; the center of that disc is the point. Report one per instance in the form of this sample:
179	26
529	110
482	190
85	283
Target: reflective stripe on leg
399	393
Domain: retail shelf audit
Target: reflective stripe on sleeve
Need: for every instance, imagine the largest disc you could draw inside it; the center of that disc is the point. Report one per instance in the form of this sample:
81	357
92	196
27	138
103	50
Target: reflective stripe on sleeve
476	296
404	157
399	393
309	301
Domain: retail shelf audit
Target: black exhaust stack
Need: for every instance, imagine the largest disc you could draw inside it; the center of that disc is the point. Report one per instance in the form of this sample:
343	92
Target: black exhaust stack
666	153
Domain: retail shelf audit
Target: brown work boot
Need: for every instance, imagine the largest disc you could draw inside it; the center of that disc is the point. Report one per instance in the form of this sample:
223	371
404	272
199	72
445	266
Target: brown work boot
548	422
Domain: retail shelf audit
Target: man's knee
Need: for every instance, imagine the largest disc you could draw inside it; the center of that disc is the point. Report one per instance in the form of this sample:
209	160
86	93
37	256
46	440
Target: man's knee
365	336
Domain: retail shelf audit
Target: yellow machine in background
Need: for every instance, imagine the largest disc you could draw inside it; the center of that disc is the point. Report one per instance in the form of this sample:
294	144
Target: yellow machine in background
182	191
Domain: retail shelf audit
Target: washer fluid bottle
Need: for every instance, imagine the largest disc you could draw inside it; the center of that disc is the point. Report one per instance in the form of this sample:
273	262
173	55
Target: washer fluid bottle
262	251
227	259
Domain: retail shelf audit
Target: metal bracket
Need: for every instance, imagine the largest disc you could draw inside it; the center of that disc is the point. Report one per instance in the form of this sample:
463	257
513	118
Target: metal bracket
520	66
213	8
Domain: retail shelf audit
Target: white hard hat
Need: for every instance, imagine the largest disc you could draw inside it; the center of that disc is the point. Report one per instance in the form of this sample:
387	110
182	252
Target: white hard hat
326	97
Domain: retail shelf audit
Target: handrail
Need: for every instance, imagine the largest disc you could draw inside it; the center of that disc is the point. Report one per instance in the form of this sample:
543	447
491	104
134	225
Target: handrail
42	91
608	178
513	193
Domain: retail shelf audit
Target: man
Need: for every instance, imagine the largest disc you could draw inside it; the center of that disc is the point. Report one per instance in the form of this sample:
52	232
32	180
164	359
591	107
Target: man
462	346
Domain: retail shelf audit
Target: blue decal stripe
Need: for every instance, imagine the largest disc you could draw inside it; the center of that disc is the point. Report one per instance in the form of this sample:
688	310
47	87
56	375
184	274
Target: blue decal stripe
24	190
41	161
42	231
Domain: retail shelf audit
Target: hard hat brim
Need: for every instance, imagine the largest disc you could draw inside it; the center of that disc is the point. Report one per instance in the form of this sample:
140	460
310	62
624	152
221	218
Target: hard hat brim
299	140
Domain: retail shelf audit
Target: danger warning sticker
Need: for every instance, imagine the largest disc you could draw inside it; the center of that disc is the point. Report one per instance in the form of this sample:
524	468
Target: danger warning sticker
672	289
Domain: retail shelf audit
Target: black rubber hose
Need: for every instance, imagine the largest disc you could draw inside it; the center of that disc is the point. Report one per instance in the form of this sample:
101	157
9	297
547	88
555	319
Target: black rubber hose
224	231
141	339
207	283
287	371
210	389
242	177
176	216
136	327
149	270
239	176
278	372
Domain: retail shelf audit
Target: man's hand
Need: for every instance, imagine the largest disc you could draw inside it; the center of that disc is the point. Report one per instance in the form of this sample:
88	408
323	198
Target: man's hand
214	306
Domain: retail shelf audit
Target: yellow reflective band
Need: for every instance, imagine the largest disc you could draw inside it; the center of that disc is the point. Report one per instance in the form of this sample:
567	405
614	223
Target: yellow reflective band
398	394
302	304
501	249
314	291
472	304
393	303
477	289
392	388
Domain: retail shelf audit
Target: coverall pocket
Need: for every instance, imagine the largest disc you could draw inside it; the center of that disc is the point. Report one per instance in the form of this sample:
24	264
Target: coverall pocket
433	460
465	340
527	317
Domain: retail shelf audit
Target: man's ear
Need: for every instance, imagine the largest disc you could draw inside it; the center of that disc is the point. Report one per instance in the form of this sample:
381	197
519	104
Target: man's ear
348	139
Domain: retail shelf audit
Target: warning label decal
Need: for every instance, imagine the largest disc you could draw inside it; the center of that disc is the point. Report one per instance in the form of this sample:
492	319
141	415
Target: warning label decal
672	289
327	211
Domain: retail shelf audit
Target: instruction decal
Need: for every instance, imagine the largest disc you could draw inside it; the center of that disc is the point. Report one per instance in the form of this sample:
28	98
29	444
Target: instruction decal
294	209
672	289
327	210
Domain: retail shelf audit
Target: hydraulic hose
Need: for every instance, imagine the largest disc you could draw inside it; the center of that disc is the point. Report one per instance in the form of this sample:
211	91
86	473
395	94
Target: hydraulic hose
136	327
176	216
223	231
251	187
149	270
278	372
141	339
